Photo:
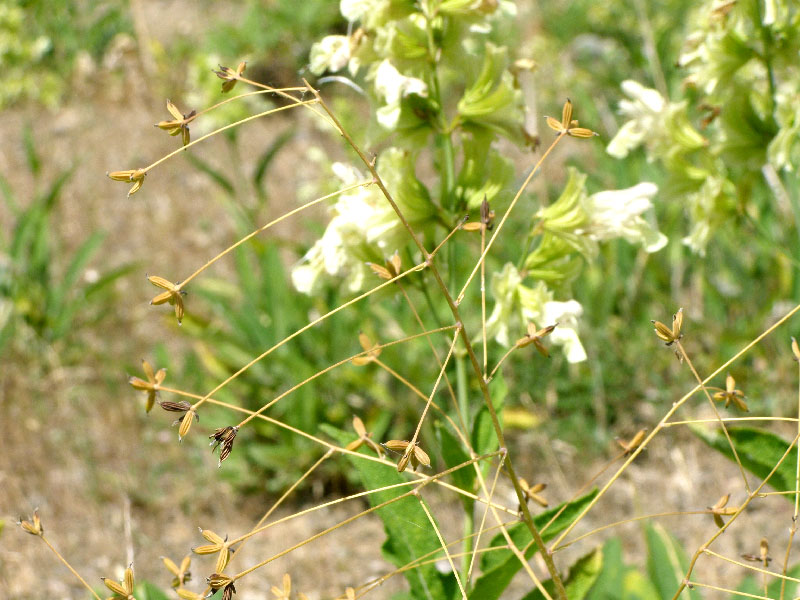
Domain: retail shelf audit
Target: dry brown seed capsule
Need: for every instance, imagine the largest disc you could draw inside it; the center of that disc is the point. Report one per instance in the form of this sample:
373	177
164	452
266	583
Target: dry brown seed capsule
670	335
534	336
135	176
173	294
223	438
124	589
186	423
283	594
218	580
372	350
230	76
182	575
184	594
532	492
181	406
179	125
634	442
34	526
411	453
731	394
151	386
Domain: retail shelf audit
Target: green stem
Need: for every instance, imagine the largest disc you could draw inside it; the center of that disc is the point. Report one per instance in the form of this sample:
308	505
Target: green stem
469	515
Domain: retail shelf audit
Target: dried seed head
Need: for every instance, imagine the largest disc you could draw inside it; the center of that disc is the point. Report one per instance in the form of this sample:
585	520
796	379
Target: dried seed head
184	594
179	125
230	76
286	591
223	438
181	406
531	492
410	453
372	350
795	350
534	336
173	294
123	589
731	394
218	580
186	423
135	176
673	334
34	525
634	442
151	386
182	575
568	125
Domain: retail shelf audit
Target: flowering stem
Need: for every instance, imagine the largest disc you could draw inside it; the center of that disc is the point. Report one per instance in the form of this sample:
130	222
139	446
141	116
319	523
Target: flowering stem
498	429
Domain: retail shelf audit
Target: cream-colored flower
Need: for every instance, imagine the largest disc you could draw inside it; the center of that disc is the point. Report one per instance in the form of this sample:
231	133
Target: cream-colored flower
618	213
393	86
331	53
645	111
517	304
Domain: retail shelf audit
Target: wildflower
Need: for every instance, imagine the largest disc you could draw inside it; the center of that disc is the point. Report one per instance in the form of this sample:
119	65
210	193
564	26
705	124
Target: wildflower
151	386
182	574
633	443
131	175
516	303
180	124
124	589
331	53
531	492
222	438
173	295
411	453
618	213
731	394
670	336
720	509
363	438
534	336
569	126
229	76
217	545
393	87
372	351
34	526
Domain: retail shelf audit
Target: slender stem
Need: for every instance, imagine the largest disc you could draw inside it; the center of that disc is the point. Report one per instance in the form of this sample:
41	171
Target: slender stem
793	529
526	515
716	413
225	128
442	544
725	590
69	566
268	225
511	206
666	418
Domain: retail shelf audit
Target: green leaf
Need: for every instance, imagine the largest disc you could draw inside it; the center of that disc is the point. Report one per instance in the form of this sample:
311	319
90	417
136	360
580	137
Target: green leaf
453	454
499	566
484	437
31	156
636	586
147	591
215	174
264	162
667	563
609	580
409	535
759	452
582	576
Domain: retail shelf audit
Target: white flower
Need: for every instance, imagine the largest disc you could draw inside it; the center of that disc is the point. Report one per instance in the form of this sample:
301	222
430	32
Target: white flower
645	110
516	305
356	10
332	53
393	87
617	213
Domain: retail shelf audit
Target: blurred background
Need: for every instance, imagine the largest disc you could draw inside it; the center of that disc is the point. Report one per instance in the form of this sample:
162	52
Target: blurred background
81	85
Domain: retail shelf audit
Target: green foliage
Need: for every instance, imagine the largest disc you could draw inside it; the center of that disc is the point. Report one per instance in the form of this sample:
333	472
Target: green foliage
500	566
42	301
754	584
580	579
759	451
40	41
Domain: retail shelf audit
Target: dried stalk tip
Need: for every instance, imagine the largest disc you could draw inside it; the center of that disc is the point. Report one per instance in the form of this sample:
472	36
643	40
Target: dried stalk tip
568	125
731	394
372	351
124	589
151	386
410	453
531	492
634	442
34	525
173	294
222	438
535	336
670	335
229	76
135	176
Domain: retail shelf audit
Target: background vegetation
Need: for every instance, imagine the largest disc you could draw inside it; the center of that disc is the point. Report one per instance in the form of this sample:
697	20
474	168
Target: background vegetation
82	84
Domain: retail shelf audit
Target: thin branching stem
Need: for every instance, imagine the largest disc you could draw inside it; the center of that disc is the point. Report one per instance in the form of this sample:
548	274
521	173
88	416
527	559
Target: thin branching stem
267	226
442	544
751	567
716	413
526	516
